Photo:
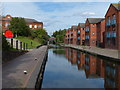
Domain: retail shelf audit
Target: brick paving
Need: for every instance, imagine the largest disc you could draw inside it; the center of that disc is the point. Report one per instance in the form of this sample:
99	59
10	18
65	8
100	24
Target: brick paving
13	72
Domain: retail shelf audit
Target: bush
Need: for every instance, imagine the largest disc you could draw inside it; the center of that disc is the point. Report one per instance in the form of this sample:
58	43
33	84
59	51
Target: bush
5	44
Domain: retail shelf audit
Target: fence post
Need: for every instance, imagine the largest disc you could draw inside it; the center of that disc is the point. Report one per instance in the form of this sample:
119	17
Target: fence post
20	45
24	46
12	42
17	44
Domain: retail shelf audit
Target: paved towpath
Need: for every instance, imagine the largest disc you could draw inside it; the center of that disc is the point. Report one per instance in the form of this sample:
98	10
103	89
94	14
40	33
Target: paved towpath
13	76
95	50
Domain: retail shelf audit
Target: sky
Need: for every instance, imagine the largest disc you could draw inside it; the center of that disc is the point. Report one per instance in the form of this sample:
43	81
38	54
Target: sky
57	15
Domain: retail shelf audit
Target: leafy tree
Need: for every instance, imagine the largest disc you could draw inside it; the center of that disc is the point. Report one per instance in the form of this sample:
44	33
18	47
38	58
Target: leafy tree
59	35
19	26
40	34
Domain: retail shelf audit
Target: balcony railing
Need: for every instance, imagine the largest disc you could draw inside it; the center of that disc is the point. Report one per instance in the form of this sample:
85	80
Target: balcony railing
113	22
108	23
87	37
78	38
87	30
78	32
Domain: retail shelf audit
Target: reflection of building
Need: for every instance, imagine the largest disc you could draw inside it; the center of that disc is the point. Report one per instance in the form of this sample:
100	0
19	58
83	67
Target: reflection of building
90	66
66	52
74	59
33	24
80	60
100	67
112	28
112	75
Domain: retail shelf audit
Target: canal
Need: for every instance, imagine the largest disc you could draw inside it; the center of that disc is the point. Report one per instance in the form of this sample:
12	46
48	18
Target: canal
70	68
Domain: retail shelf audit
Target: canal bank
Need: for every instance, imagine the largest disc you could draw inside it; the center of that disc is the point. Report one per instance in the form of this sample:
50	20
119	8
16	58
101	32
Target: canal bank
25	71
109	53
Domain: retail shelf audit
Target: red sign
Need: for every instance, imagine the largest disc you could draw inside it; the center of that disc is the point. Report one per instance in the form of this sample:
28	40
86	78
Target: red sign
8	34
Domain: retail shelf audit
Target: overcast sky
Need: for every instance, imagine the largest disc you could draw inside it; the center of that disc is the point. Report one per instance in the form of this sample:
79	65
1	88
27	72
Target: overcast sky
57	15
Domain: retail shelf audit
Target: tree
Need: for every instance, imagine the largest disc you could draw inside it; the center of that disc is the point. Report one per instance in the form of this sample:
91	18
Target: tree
19	26
40	34
59	35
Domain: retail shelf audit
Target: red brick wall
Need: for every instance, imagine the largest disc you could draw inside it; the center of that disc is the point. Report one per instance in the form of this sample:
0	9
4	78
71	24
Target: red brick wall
110	12
93	37
87	25
100	31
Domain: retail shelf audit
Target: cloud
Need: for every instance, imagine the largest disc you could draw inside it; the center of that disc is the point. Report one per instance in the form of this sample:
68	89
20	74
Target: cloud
56	15
59	0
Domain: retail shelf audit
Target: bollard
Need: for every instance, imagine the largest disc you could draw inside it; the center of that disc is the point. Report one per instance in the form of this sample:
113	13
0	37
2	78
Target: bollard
16	44
24	46
12	42
20	45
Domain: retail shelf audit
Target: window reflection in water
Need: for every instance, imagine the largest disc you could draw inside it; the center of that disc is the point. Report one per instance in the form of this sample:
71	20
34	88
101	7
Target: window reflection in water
95	67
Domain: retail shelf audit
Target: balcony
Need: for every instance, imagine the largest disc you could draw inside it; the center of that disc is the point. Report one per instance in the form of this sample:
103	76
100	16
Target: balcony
113	22
108	35
87	37
87	30
78	32
114	35
78	38
108	24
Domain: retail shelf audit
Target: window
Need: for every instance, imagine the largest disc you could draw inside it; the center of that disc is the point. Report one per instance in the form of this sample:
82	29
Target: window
35	26
8	17
30	26
7	24
93	33
39	26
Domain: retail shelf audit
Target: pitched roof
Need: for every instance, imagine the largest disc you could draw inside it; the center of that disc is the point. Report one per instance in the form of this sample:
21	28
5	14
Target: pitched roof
116	5
32	20
82	25
74	27
95	20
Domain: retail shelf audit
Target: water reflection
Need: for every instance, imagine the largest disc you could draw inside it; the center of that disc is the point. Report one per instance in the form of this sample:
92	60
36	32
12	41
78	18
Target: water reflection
95	67
70	68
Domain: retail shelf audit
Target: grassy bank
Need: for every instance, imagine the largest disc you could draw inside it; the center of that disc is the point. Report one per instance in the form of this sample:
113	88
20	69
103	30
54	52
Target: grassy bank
28	40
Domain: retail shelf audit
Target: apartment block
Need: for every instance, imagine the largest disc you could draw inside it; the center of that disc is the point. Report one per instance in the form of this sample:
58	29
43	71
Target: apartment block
74	34
32	23
91	31
100	33
112	27
81	34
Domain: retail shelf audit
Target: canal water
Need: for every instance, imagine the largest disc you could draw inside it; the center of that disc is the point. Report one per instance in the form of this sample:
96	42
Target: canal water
70	68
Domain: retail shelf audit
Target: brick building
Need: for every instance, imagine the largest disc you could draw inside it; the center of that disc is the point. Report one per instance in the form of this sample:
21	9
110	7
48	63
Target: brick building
91	31
32	23
81	34
100	33
112	28
74	34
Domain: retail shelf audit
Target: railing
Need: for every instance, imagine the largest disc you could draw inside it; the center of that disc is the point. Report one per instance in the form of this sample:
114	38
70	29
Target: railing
78	38
111	35
78	32
108	23
87	30
18	45
87	37
113	22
